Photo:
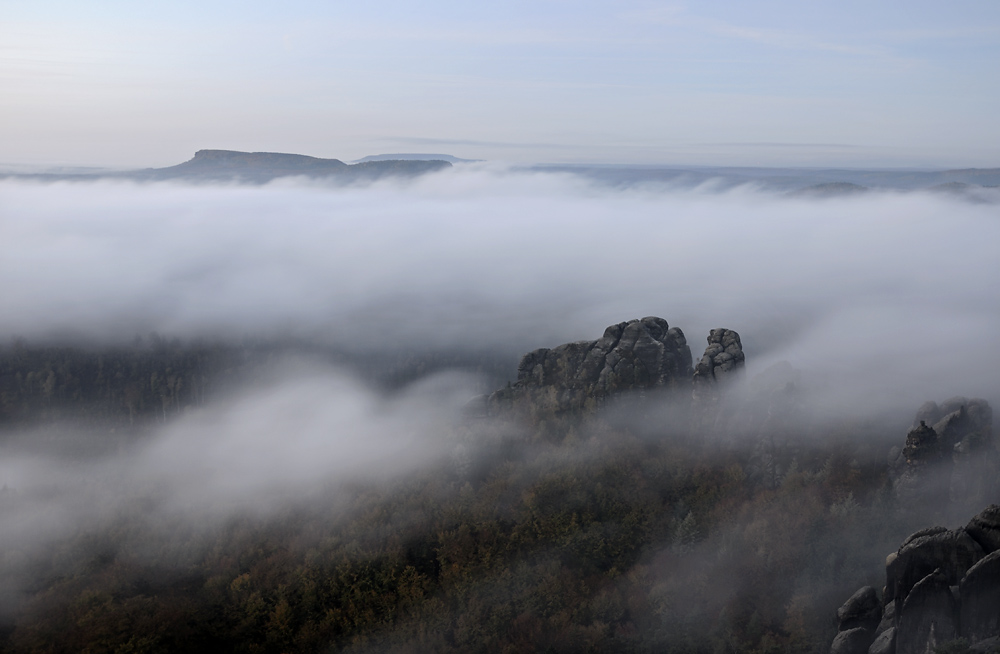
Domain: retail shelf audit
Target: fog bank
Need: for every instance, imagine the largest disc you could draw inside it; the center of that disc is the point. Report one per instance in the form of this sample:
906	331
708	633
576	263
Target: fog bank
895	289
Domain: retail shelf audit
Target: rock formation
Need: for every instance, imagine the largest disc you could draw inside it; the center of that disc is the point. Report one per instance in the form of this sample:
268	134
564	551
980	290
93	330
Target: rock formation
949	455
637	355
852	641
941	585
862	609
722	362
929	616
720	366
980	592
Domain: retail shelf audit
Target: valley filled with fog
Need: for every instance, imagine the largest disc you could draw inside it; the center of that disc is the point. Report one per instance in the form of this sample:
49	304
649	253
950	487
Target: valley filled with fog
311	351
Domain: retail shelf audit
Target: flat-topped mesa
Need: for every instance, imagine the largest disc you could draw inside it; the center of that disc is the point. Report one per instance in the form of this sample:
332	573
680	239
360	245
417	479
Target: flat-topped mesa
635	355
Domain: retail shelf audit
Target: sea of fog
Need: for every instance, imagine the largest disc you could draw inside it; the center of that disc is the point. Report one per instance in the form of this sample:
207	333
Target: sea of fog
890	298
894	289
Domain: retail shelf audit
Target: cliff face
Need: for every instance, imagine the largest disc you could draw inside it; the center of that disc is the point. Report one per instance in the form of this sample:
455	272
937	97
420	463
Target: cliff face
637	356
948	456
940	585
634	355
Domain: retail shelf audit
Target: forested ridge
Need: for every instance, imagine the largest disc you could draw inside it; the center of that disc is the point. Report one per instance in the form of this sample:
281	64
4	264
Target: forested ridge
579	534
156	378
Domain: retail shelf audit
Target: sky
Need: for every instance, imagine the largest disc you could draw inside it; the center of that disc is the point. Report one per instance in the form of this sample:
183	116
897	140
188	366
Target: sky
772	83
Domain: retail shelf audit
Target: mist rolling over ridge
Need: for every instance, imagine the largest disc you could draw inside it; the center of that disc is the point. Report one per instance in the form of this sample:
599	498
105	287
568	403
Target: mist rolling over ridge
891	289
457	328
215	393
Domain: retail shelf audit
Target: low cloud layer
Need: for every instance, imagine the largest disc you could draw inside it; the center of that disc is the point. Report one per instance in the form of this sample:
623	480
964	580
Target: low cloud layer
882	300
897	290
275	444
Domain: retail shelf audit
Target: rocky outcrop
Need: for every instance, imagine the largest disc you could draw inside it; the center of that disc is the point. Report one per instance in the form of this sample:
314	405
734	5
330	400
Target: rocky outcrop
857	617
863	609
722	363
885	642
949	455
941	585
980	593
985	528
639	358
637	355
949	552
888	619
852	641
929	616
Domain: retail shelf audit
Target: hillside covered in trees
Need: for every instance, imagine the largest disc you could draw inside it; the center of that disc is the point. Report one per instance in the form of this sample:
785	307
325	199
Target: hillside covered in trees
544	525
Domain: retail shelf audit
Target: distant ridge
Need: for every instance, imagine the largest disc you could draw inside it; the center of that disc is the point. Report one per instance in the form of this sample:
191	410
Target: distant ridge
262	167
410	156
212	162
831	189
815	181
257	168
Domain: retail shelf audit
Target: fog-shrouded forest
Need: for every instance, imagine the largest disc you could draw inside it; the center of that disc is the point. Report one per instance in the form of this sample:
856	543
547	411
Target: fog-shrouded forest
296	416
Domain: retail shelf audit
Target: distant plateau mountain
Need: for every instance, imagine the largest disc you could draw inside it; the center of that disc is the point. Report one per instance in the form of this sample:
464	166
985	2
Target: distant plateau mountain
261	167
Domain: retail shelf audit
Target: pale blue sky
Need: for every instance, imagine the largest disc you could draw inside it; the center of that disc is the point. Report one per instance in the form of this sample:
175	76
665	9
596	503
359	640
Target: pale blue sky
778	82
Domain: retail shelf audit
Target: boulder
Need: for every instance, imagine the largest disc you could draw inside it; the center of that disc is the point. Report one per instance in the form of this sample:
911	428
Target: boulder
929	531
980	592
928	616
862	609
885	642
888	620
984	528
852	641
950	552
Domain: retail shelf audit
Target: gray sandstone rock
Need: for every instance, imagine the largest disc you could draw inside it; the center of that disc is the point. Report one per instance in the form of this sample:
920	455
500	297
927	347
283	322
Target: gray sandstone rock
723	360
722	364
862	609
929	531
949	455
922	446
985	528
980	592
885	642
888	618
941	585
928	617
951	553
987	646
635	355
852	641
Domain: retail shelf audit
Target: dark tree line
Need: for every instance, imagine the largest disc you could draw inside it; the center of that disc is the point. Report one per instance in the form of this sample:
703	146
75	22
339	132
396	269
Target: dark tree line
110	387
157	378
